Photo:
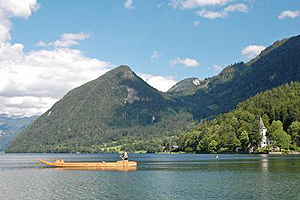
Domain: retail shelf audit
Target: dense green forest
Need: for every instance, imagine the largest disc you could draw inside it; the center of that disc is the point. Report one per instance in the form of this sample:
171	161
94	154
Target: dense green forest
238	130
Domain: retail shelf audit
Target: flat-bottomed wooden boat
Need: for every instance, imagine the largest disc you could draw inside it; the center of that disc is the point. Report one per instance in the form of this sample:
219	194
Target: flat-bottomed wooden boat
123	165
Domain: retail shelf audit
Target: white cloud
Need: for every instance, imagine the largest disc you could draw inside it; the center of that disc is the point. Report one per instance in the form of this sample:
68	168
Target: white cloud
128	4
252	51
189	62
11	52
190	4
66	40
216	67
14	8
212	15
289	13
240	7
31	82
40	78
196	23
41	44
27	105
155	55
159	82
19	8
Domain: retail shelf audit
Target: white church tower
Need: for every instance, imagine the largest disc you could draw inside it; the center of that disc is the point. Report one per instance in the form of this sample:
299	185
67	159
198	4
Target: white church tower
263	131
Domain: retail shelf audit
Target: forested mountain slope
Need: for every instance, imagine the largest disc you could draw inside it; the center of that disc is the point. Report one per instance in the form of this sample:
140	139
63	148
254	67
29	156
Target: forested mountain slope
239	129
276	65
117	108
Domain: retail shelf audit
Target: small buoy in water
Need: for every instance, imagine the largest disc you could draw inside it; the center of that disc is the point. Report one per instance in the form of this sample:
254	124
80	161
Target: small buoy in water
217	156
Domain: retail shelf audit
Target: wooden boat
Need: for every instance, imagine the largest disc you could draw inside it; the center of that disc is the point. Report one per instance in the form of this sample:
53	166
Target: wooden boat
123	165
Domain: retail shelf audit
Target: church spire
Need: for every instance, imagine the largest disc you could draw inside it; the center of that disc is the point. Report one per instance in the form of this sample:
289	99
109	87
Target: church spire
261	123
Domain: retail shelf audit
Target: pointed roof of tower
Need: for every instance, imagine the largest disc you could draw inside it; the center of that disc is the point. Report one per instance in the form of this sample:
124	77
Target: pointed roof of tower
261	124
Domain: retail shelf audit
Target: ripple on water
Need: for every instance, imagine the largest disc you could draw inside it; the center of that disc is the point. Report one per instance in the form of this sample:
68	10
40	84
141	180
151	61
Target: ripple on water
157	177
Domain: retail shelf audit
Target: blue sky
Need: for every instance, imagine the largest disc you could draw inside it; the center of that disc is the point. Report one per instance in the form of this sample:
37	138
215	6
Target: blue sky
59	45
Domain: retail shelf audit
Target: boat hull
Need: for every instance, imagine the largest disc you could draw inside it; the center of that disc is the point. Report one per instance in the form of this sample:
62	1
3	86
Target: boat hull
124	164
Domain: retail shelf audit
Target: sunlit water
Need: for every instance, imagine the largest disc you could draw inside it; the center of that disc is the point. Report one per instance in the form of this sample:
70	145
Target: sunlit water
157	177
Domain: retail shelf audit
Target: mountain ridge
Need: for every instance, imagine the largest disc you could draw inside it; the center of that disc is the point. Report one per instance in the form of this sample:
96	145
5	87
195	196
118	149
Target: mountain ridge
10	126
120	108
116	107
276	65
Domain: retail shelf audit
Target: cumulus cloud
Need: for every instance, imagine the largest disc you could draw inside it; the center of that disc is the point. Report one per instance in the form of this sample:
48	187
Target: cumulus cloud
216	67
161	83
28	105
66	40
41	44
155	55
14	8
11	52
189	4
189	62
40	78
289	13
128	4
240	7
31	82
252	51
19	8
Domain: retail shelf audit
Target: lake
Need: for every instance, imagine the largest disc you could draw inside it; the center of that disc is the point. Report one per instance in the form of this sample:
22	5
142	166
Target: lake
158	176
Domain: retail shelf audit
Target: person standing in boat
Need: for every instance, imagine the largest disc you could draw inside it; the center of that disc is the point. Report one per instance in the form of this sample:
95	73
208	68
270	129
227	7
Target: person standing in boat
124	156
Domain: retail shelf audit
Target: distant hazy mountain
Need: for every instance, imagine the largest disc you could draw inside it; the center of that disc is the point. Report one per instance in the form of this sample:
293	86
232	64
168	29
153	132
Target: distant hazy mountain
10	126
120	108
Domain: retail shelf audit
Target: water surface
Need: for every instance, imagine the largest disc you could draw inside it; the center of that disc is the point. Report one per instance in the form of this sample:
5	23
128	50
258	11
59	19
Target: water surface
158	176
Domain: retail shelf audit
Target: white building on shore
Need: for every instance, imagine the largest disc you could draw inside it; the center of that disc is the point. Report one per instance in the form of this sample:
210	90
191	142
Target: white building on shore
263	131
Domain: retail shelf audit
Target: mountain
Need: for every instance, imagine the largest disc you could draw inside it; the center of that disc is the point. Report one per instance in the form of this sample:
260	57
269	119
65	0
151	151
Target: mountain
120	109
10	126
185	87
117	108
239	128
276	65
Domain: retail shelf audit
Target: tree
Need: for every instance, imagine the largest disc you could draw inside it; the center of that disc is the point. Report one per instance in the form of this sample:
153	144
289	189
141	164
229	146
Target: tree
188	150
212	147
276	125
280	138
244	138
294	132
230	141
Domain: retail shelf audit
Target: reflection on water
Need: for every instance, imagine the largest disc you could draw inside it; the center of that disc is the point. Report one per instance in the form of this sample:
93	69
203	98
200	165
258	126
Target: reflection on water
264	182
264	163
156	177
